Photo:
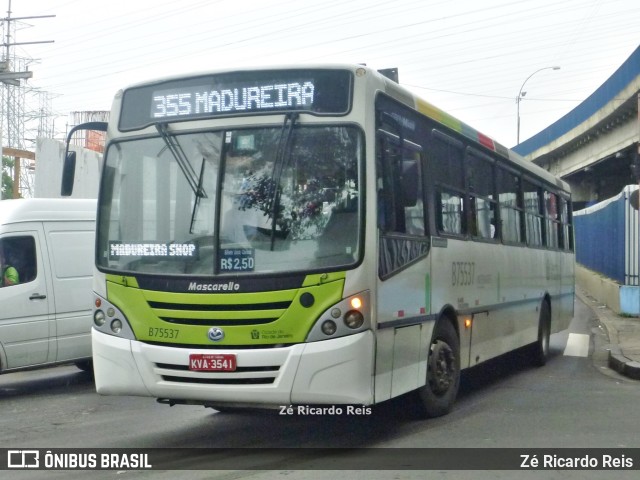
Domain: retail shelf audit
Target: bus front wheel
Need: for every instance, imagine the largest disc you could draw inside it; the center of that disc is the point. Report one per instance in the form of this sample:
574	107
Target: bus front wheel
443	371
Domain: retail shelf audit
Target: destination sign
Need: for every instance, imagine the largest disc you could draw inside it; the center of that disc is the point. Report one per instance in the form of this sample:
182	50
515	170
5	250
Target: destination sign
321	92
152	249
201	100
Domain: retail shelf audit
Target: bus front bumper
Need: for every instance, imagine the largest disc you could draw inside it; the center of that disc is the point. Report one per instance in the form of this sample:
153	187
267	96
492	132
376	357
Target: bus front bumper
338	371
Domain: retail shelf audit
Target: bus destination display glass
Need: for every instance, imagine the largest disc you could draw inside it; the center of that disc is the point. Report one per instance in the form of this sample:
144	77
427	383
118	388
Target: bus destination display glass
315	91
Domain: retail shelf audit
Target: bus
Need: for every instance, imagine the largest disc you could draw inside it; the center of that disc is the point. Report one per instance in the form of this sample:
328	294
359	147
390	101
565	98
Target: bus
315	235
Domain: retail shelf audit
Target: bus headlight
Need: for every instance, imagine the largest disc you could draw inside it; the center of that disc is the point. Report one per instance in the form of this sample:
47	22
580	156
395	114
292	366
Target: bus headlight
349	316
98	318
107	318
329	327
353	319
116	326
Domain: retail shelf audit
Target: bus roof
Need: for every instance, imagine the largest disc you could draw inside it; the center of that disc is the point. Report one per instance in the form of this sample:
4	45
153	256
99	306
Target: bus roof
46	209
401	94
478	137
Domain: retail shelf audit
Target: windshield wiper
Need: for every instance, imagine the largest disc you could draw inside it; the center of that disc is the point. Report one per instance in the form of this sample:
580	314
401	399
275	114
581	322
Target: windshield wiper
278	167
194	181
199	194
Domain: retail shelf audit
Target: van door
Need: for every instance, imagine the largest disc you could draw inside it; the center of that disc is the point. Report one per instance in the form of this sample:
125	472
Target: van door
71	252
26	316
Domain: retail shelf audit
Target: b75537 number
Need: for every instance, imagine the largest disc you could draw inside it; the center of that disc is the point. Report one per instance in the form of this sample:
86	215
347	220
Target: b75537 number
462	273
163	332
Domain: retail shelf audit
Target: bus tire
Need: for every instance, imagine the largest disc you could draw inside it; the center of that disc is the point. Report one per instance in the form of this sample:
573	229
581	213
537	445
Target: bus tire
540	349
443	371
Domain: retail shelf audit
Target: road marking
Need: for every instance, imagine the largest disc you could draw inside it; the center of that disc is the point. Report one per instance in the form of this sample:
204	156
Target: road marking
577	345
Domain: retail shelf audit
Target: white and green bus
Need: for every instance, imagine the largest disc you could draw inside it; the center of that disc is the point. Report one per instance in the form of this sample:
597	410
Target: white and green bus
315	235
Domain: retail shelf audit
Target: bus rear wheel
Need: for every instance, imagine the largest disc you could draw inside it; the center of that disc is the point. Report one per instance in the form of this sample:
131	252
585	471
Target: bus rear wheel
540	349
443	371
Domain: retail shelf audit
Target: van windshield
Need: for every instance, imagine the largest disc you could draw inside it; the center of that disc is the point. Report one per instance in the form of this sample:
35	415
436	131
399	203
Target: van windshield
232	202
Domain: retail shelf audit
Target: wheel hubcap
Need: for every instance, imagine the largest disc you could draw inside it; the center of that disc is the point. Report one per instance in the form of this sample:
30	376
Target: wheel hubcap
441	368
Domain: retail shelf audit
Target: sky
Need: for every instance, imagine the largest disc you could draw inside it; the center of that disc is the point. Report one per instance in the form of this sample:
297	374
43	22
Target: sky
467	57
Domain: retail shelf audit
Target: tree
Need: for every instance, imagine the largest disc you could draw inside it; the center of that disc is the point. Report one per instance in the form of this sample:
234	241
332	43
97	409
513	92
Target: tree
7	177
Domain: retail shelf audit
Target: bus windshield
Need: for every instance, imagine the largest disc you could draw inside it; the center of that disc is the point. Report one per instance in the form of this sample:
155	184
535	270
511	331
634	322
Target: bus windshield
245	201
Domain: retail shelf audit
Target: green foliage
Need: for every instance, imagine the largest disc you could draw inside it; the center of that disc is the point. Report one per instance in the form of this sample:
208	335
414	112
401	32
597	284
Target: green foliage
7	177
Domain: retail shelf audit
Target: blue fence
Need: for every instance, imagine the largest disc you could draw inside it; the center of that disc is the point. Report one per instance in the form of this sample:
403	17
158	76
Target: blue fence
606	238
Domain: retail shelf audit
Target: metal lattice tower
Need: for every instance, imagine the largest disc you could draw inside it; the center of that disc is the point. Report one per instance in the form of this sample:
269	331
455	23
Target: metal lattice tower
91	139
25	112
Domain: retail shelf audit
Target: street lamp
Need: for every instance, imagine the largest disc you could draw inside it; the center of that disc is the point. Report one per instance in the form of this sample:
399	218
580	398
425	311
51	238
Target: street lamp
521	95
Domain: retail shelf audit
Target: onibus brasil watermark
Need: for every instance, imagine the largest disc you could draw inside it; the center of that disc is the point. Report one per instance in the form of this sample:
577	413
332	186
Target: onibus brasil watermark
80	460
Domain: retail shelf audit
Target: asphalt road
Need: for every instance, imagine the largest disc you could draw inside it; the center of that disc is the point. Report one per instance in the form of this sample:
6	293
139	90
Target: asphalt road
575	401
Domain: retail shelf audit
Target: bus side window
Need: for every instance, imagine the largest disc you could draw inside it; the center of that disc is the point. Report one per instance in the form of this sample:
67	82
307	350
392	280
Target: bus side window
449	212
566	228
510	204
399	187
413	204
482	199
446	156
552	215
533	214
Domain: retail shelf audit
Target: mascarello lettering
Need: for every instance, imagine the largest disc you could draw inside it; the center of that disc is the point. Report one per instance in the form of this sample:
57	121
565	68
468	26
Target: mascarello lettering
214	287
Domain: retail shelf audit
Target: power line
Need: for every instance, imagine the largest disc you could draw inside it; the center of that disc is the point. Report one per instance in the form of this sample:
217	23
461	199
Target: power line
427	40
20	116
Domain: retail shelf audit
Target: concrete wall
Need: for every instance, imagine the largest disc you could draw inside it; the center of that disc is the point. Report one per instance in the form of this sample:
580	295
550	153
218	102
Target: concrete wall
621	299
599	287
48	176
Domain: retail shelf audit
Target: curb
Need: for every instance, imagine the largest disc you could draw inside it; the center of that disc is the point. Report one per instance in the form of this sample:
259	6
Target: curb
617	361
623	365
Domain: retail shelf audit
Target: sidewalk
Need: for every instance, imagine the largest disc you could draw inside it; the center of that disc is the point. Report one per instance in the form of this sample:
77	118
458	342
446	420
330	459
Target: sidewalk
624	337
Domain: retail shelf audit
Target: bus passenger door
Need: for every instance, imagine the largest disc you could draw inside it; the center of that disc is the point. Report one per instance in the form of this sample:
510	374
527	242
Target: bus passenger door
403	250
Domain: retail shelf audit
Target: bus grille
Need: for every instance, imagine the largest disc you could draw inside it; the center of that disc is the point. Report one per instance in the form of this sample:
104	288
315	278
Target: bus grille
258	375
219	314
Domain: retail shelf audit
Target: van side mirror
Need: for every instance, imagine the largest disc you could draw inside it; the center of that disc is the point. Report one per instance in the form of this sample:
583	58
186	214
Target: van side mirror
68	174
409	183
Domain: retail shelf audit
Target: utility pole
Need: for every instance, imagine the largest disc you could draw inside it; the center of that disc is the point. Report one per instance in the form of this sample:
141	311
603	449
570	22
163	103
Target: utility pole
7	76
13	72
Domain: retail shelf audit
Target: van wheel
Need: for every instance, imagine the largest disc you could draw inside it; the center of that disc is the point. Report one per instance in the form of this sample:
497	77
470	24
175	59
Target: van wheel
540	349
443	371
84	365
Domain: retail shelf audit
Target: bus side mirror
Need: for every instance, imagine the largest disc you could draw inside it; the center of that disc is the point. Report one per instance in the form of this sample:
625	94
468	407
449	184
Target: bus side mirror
69	167
409	183
68	174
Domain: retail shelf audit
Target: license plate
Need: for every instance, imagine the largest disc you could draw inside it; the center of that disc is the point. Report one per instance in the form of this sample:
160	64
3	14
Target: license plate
212	362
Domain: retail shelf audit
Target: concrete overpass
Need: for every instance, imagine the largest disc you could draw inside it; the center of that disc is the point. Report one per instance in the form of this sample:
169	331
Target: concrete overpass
592	147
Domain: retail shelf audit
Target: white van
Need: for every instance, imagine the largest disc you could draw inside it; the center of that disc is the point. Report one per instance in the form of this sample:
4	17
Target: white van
46	295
